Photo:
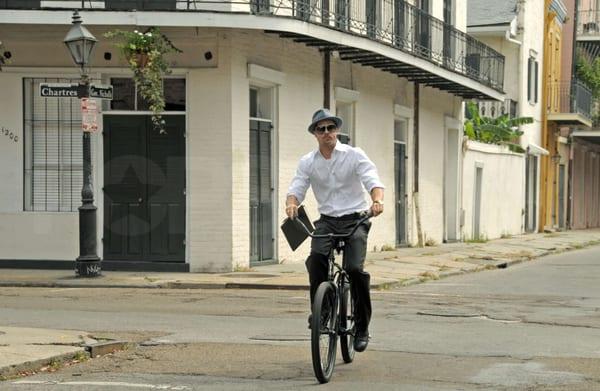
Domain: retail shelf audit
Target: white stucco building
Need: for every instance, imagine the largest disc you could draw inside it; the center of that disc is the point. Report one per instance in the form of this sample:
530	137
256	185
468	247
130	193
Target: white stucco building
209	194
501	188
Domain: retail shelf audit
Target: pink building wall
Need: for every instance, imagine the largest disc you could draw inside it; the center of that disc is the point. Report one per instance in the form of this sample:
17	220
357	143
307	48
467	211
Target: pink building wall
568	32
586	185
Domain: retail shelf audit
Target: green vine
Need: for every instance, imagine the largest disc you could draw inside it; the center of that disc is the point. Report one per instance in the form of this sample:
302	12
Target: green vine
145	55
501	131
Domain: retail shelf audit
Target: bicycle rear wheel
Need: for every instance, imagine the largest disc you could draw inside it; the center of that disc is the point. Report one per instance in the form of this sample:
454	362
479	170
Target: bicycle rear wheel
347	324
324	331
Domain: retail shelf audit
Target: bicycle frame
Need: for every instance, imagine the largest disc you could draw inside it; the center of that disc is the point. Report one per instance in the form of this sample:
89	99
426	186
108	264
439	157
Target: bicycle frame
338	327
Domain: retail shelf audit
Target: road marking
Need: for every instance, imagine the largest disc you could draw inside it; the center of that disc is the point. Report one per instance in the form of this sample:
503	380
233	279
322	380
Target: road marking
104	383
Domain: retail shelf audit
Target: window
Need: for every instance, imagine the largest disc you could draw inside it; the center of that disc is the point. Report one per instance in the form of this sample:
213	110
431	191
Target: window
125	96
346	112
53	166
532	80
261	100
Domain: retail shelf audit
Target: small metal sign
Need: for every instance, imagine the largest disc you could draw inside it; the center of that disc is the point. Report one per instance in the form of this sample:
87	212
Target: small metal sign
59	90
70	90
101	91
89	110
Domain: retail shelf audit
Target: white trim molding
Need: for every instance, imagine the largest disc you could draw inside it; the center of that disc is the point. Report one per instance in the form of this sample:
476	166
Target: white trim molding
346	95
403	111
267	76
452	123
534	149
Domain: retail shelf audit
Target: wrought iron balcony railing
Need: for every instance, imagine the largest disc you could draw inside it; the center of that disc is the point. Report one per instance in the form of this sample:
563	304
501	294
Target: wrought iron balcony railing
571	97
391	22
495	109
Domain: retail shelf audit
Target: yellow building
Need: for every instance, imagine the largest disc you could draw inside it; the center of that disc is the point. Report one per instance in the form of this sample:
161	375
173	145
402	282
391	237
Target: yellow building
567	105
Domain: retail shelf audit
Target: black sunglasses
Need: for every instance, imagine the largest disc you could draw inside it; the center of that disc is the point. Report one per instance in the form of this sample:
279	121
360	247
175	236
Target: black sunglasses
329	128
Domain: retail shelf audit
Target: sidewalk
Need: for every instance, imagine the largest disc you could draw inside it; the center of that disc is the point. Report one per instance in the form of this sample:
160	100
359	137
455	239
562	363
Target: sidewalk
25	349
388	268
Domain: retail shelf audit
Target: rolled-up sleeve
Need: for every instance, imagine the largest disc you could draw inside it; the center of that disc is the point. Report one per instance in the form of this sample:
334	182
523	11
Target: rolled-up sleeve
366	171
301	182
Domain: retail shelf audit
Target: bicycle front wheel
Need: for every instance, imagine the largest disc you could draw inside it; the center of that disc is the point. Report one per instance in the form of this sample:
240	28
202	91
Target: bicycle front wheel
324	331
347	325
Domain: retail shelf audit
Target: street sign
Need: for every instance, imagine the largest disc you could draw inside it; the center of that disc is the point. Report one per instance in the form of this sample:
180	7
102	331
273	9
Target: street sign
101	91
58	90
70	90
89	110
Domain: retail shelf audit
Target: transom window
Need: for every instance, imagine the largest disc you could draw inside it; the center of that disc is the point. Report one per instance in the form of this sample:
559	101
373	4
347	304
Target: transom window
345	111
126	97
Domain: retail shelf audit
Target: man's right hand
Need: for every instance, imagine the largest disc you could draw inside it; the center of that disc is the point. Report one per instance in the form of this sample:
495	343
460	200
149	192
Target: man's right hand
291	211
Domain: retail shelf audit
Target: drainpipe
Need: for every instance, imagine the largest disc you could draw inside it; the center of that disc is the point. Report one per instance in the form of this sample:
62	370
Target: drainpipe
569	221
509	39
417	88
327	79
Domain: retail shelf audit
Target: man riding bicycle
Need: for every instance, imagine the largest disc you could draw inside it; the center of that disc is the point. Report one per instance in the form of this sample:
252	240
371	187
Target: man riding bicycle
338	174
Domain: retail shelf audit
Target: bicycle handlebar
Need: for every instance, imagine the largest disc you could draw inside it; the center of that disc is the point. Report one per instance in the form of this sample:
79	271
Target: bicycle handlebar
368	215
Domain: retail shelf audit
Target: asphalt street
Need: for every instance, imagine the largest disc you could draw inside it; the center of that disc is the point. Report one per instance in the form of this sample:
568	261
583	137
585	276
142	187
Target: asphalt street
532	326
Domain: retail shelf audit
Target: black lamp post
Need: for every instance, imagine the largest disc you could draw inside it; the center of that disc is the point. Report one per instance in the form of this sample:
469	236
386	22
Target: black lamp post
81	43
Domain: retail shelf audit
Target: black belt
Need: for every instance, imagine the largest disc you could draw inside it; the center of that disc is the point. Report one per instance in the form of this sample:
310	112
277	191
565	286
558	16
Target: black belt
351	216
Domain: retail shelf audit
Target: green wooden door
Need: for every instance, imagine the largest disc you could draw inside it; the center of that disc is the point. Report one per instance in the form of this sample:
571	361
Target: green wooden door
261	193
144	189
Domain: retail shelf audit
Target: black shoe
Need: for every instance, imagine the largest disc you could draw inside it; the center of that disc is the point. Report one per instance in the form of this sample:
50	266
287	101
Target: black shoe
361	340
309	321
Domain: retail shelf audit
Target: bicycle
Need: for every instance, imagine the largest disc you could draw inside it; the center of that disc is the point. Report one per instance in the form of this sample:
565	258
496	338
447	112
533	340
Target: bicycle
333	310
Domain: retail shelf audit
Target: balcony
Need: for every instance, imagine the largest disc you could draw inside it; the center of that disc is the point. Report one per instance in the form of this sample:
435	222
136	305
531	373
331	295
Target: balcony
570	103
393	23
588	32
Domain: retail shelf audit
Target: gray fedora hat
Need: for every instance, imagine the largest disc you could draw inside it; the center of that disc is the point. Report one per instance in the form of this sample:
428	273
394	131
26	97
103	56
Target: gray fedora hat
323	114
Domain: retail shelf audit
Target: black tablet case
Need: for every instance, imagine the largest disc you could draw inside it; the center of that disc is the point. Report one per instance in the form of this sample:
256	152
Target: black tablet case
293	231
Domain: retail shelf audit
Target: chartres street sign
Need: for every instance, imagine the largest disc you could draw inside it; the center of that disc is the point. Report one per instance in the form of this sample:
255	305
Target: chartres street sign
58	90
69	90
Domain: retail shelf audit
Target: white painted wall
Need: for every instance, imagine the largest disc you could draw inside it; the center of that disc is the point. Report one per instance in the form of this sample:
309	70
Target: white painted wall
26	235
210	176
529	30
502	190
218	152
434	107
460	11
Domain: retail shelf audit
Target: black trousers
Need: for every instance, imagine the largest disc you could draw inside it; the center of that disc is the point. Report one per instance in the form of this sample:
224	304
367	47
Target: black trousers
353	262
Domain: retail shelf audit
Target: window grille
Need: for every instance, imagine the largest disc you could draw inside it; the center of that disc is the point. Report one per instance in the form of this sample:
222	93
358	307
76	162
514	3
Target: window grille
53	164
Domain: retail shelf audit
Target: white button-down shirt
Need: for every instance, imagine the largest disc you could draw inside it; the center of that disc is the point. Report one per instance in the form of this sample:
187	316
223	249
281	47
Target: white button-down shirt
338	183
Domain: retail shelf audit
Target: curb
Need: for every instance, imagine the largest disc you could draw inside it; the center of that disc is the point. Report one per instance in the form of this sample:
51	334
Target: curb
32	366
101	348
496	263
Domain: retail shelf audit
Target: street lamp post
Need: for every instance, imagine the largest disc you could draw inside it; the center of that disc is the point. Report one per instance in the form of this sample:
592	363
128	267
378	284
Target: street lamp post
81	43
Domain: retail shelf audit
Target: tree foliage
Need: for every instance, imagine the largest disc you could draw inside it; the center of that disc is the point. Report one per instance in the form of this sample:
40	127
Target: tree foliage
501	131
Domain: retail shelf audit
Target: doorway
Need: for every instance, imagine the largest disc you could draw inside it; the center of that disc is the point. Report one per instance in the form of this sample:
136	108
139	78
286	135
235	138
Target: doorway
400	135
477	201
531	163
451	186
144	189
262	237
561	196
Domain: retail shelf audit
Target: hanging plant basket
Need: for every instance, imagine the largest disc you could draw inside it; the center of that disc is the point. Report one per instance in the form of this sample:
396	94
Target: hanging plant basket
145	55
141	59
